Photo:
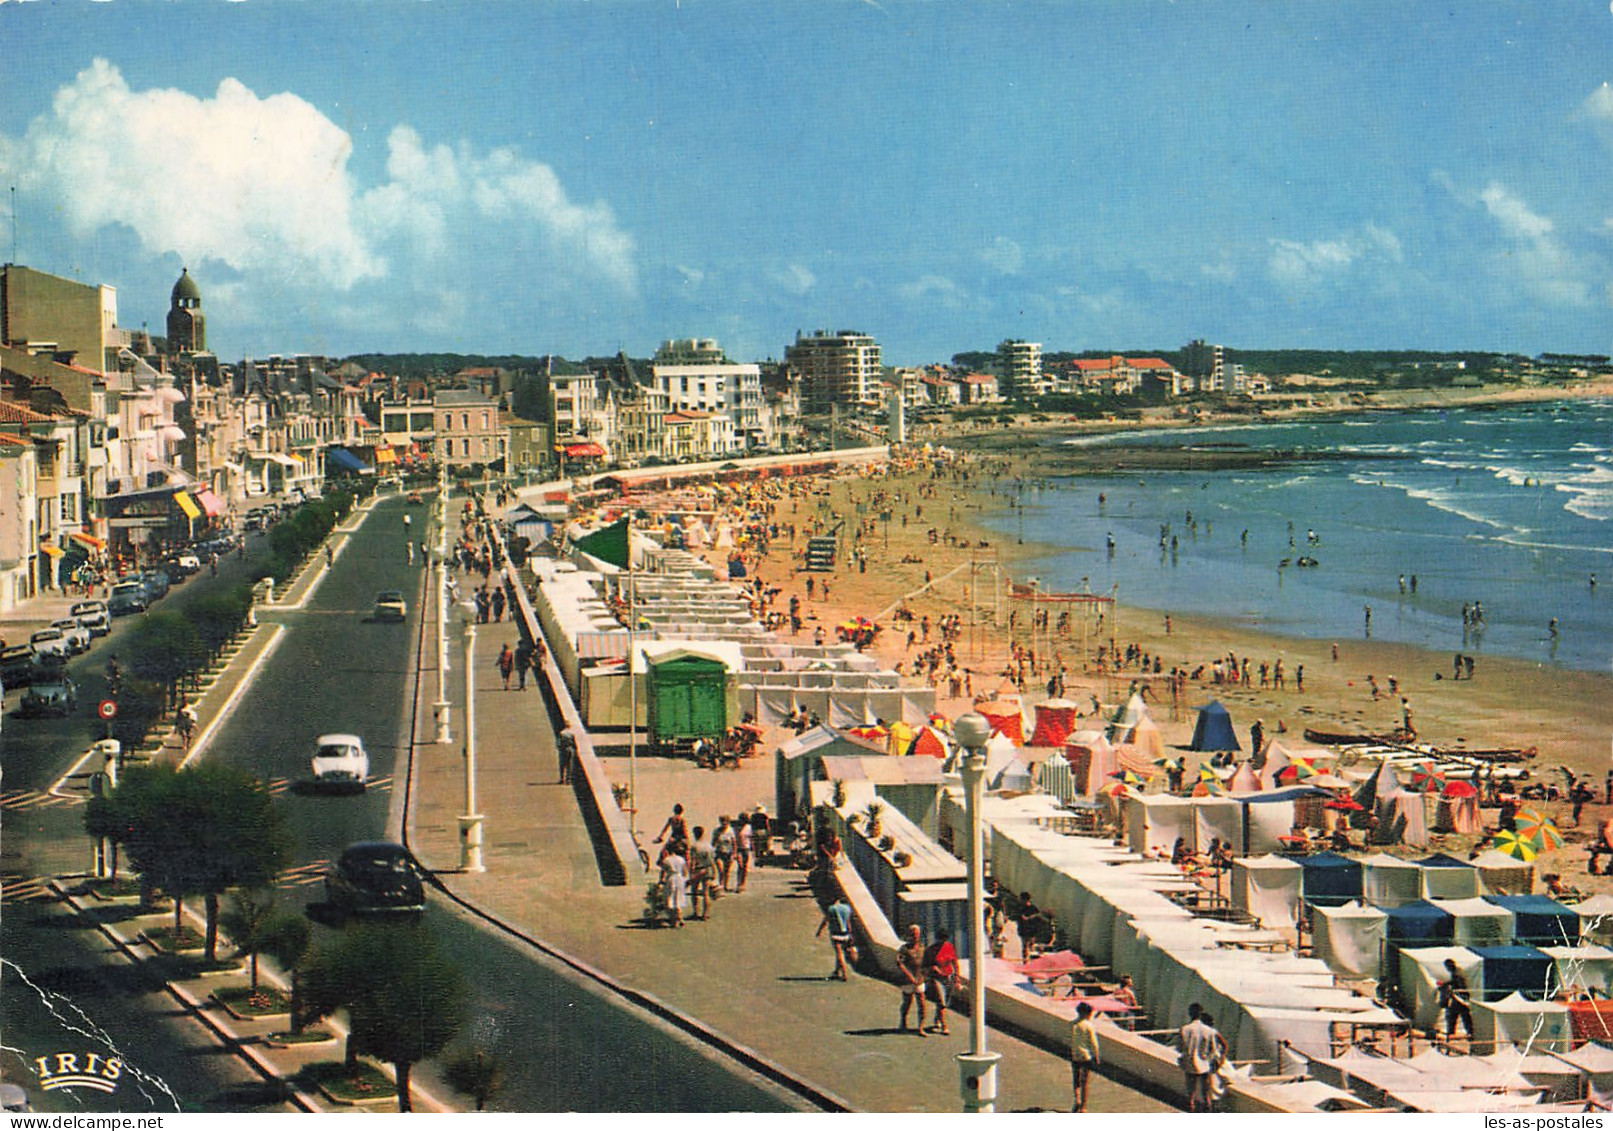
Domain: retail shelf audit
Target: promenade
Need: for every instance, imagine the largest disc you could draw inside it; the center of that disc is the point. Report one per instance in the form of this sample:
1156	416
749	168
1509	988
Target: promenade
754	972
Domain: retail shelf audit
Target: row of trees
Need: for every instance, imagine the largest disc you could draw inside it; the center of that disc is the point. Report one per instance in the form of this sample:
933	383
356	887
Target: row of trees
299	534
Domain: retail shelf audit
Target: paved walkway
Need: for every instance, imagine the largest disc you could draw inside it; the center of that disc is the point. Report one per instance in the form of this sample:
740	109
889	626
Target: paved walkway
754	971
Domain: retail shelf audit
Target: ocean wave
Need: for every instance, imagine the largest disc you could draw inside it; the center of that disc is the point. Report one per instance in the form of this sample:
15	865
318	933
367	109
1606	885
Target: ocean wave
1439	499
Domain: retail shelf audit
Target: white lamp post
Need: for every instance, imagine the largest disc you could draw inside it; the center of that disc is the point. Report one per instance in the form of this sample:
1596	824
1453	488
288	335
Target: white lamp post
977	1068
441	707
470	824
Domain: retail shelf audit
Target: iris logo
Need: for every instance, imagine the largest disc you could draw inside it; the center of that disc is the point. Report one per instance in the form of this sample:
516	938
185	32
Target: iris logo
65	1070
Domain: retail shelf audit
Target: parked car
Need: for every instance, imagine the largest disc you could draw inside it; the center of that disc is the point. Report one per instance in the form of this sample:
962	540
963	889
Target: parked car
53	696
50	642
76	635
340	760
375	876
156	585
18	666
390	605
93	616
187	562
127	597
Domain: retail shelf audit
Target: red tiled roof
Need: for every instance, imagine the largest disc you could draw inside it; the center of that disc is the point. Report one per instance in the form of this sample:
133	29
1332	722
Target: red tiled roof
14	412
1150	363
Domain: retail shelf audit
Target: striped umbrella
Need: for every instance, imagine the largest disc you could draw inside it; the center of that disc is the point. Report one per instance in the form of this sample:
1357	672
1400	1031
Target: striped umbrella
1541	830
1297	770
1129	777
1426	778
1515	845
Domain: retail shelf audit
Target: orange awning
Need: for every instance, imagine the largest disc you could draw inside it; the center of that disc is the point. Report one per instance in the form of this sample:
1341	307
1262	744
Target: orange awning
88	540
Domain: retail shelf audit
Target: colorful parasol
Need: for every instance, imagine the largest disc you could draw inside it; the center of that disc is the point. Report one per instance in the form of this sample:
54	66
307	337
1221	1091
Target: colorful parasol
1129	777
1515	845
1539	829
1425	778
1459	788
1345	805
1297	770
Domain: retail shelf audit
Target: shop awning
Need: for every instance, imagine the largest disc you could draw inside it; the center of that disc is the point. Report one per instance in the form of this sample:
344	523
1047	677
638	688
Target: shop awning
584	451
88	540
188	505
282	458
346	461
385	455
51	551
211	503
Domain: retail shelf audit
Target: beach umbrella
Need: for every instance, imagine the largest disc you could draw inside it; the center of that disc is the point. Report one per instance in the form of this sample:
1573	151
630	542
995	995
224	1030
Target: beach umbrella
1298	770
1208	774
1543	836
1514	845
1211	788
1129	777
1426	778
1459	788
1344	805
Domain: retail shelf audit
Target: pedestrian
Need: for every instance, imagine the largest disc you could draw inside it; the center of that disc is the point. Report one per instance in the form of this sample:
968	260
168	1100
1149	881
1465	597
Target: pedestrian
1299	678
676	830
523	661
1083	1055
498	603
1405	718
702	866
1257	739
1214	1083
566	749
1196	1048
506	665
940	977
675	882
744	845
837	921
1369	620
724	843
186	721
1455	1000
1609	787
910	975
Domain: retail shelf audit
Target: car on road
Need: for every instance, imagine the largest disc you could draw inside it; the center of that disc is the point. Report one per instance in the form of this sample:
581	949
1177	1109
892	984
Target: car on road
375	876
340	760
53	695
93	616
18	666
156	583
127	597
415	499
390	605
76	635
50	642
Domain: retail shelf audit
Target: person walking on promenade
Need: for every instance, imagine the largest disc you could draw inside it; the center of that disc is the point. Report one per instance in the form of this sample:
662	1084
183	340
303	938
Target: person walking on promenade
498	603
565	745
940	977
186	723
1196	1049
506	665
1215	1084
910	974
676	830
724	844
1083	1055
837	921
744	849
1456	1002
702	866
675	882
523	661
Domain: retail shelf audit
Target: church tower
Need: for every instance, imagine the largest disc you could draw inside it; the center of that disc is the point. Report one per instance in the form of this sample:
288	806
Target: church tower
187	328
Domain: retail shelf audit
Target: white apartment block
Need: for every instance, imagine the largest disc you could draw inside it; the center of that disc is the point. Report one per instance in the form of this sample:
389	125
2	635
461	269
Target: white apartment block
735	391
840	368
1019	365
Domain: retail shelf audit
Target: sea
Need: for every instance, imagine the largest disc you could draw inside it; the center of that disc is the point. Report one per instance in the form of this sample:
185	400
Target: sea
1413	514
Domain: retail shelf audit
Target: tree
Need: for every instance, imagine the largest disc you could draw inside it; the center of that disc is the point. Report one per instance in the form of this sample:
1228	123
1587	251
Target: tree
477	1073
165	649
285	938
246	921
219	616
404	1001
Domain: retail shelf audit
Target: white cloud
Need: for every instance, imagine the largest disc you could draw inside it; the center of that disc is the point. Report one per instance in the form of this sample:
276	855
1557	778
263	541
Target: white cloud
937	289
257	183
1537	257
1297	264
262	184
794	278
1599	104
693	276
1514	215
1004	256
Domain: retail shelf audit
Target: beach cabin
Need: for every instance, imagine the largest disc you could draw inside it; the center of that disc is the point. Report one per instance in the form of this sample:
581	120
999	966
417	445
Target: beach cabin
1515	969
799	763
1330	879
1268	888
1349	938
1413	925
1445	877
688	694
1389	881
1213	730
1538	920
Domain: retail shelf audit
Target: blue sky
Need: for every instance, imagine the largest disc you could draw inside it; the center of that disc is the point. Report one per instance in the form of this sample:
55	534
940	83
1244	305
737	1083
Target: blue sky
579	178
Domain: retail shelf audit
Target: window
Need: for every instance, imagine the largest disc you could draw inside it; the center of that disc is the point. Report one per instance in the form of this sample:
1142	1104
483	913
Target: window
485	425
69	508
464	421
465	447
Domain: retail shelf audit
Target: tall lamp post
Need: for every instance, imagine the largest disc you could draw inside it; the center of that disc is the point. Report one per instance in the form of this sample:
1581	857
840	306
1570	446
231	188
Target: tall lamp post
470	824
444	731
977	1068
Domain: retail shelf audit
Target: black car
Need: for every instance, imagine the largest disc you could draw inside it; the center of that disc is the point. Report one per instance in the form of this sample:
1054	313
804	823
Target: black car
17	666
376	876
53	695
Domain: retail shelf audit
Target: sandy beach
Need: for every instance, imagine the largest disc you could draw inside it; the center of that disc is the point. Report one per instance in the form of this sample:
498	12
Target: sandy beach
1565	715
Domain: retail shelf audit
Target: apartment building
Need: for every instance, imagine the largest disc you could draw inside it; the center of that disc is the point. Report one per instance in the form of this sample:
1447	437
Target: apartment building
1019	367
467	427
732	390
840	368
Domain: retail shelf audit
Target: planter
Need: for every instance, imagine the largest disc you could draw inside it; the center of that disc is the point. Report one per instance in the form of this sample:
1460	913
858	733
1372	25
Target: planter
165	939
365	1084
305	1039
241	1003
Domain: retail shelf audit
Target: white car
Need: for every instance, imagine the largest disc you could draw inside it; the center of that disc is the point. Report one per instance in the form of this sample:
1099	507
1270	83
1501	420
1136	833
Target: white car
340	760
49	642
93	616
76	635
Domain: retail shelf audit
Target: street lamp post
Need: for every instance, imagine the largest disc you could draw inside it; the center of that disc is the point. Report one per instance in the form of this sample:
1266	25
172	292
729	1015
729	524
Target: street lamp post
470	824
444	730
977	1068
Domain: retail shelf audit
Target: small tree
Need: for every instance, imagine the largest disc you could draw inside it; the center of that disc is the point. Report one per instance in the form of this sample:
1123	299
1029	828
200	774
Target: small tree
246	921
285	938
165	649
404	1001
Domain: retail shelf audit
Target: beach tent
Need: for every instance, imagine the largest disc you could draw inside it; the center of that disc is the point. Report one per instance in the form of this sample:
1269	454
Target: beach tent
1534	1025
1217	817
1331	879
1005	718
1596	919
1272	762
1146	743
1422	969
1402	819
1445	877
1583	968
1383	781
1245	780
1349	938
1267	887
1056	777
931	743
1153	823
1055	722
1419	924
1458	809
1389	881
1515	969
1213	731
1268	816
1124	721
1539	921
1091	760
1504	875
1477	922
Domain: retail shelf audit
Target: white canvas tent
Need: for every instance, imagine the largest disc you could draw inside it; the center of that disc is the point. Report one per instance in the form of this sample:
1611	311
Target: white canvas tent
1596	919
1350	938
1449	882
1535	1025
1422	968
1267	887
1154	822
1478	921
1217	817
1505	875
1388	881
1583	967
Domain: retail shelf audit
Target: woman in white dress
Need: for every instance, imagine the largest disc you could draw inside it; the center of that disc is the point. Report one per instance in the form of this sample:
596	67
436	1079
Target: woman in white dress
675	876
